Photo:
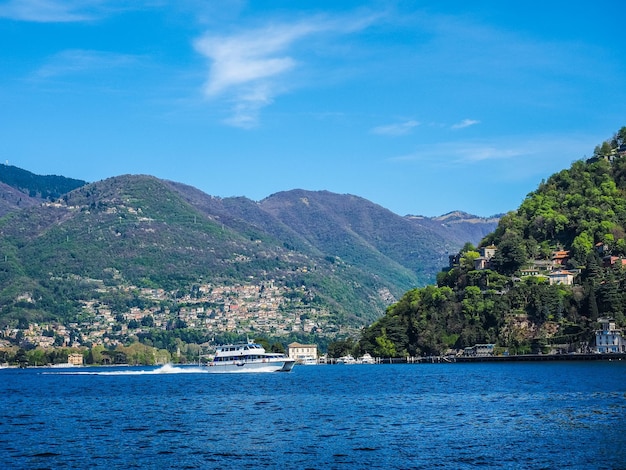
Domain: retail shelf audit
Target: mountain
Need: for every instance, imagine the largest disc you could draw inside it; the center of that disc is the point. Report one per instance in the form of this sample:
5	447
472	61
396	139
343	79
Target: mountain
457	227
20	188
344	227
115	242
12	199
539	282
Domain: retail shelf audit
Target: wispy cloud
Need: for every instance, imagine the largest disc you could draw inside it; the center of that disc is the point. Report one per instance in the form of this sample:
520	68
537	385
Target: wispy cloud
402	128
467	152
70	11
251	67
465	123
503	157
47	11
78	60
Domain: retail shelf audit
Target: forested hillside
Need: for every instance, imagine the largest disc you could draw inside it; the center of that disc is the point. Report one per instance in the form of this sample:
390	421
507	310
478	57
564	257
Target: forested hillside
135	258
20	189
539	282
47	187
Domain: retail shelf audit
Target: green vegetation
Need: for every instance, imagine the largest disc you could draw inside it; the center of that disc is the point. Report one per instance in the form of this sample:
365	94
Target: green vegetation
99	246
48	187
509	301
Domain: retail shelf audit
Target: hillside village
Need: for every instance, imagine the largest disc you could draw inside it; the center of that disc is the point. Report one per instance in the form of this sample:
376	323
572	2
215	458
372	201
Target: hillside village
265	308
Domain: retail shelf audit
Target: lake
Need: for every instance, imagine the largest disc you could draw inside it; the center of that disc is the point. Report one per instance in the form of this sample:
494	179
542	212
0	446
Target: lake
428	416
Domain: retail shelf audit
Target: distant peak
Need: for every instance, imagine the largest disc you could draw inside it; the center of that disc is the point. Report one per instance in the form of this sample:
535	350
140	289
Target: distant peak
456	215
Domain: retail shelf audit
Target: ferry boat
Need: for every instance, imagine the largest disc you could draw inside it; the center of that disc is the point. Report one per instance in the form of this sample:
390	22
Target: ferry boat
248	357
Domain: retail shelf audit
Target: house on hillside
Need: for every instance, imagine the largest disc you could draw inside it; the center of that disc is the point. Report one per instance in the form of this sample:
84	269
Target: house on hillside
561	276
560	258
612	261
601	248
529	272
486	253
532	272
608	338
454	260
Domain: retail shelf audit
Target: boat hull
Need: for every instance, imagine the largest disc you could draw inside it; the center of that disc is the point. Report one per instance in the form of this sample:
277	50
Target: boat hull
238	367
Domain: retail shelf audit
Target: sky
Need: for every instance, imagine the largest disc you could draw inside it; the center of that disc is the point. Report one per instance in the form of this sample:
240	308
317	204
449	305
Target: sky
422	107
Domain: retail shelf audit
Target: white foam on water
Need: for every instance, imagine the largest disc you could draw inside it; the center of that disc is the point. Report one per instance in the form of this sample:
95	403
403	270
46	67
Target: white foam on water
165	369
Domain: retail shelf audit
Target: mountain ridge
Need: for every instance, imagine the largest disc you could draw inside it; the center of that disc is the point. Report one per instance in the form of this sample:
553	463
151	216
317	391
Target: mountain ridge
350	253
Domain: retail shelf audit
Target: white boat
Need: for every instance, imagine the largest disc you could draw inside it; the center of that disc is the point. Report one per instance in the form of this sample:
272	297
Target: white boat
248	357
346	360
366	359
307	361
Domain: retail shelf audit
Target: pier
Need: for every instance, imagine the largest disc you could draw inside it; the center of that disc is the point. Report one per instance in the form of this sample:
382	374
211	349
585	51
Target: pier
508	358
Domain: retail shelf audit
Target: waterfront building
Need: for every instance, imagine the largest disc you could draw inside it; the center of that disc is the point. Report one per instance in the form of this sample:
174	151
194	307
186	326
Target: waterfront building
609	339
300	352
479	350
75	359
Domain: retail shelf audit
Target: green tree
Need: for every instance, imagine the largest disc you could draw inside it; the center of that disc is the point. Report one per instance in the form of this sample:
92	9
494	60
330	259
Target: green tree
278	347
37	357
510	256
385	347
341	348
582	246
467	260
21	358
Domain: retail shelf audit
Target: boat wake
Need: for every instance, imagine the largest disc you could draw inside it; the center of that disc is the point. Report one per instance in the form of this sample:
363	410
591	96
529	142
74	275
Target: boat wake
165	369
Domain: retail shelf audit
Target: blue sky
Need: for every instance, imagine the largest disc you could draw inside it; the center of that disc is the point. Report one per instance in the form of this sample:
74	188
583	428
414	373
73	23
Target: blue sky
423	107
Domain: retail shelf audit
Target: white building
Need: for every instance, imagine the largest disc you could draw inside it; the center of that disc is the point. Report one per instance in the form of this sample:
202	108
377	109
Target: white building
300	352
609	339
561	277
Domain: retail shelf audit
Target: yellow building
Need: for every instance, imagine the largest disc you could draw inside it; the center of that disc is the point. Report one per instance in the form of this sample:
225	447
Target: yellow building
300	352
75	359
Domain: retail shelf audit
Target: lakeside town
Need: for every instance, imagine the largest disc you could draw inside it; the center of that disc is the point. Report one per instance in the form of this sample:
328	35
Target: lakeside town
265	308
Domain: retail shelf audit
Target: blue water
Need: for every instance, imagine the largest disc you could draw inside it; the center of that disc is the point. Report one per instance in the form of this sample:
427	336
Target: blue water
514	415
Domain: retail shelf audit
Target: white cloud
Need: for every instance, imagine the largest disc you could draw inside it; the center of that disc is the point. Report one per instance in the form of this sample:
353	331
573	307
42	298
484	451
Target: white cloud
455	153
402	128
249	57
71	11
465	123
503	157
252	67
78	60
45	11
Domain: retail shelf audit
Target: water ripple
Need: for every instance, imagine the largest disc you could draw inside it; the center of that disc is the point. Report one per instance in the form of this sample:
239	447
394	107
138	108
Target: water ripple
406	417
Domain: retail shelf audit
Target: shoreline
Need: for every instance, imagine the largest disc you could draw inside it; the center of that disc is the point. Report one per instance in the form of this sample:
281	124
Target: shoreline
513	358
